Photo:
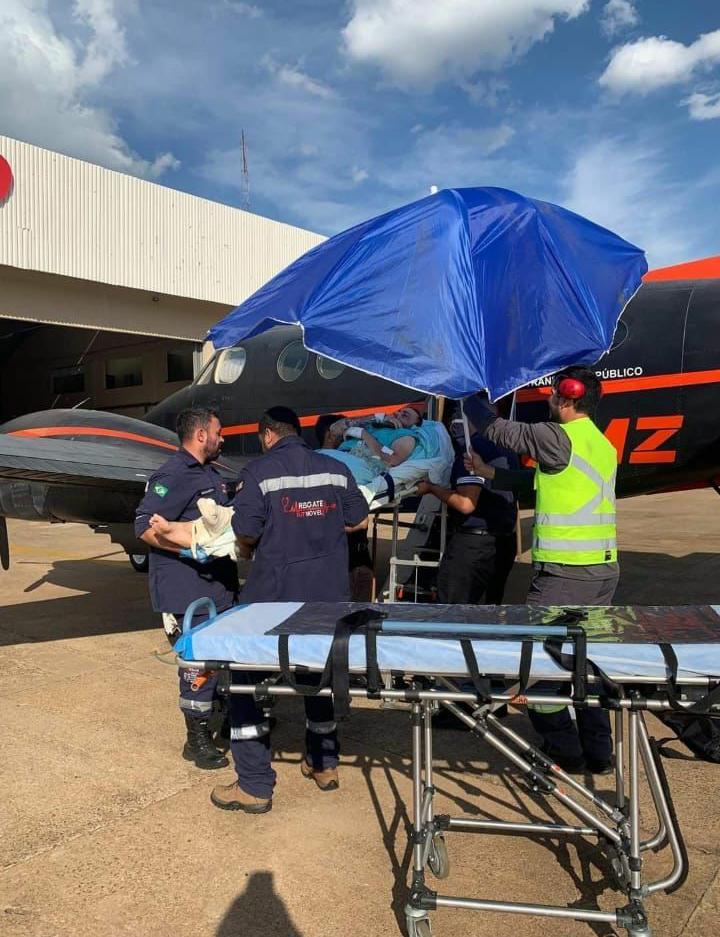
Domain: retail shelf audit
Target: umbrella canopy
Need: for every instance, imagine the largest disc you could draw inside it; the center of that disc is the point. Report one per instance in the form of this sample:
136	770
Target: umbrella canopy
464	290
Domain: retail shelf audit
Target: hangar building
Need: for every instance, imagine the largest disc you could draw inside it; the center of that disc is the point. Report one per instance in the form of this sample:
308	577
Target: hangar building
108	283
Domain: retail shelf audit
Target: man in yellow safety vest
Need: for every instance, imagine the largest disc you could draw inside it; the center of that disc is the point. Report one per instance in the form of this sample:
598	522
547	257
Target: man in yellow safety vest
574	551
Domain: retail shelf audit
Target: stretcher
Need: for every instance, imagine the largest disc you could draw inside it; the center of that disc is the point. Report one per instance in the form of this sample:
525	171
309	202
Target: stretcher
470	660
413	553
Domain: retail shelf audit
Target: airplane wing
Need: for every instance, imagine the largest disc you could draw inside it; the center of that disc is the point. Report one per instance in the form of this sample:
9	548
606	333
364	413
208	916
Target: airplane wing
68	462
80	482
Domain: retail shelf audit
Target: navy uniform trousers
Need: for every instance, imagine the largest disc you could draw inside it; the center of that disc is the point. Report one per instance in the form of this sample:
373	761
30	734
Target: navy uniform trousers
250	736
198	688
592	739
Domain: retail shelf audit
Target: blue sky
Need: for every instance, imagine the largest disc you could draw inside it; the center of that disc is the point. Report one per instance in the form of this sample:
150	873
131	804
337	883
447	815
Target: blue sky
610	107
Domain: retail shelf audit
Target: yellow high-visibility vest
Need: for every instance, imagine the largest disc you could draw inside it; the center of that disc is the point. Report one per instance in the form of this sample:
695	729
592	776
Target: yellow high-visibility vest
575	508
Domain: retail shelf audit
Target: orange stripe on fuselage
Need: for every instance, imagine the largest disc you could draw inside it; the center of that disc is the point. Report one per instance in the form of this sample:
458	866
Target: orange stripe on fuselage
629	384
241	429
41	431
706	269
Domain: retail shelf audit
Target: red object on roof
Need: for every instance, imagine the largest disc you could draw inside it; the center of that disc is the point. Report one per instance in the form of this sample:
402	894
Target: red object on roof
706	269
6	178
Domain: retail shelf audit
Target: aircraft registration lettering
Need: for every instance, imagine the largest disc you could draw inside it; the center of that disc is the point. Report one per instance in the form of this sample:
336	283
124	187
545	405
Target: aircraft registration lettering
648	451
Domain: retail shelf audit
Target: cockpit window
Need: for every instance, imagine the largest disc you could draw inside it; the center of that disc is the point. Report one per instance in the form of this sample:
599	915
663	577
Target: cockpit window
328	368
230	365
292	361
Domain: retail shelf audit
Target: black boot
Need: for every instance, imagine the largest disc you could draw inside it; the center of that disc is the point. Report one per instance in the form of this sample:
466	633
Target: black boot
199	746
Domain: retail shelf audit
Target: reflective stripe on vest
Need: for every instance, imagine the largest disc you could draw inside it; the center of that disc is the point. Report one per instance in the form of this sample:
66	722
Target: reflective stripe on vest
575	510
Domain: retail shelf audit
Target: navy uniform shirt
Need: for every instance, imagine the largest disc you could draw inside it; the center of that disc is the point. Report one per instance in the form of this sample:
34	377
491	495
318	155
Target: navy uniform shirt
173	491
495	511
296	503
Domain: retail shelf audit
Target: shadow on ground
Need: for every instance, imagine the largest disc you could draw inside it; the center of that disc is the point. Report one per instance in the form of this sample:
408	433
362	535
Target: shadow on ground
462	766
115	599
258	912
646	579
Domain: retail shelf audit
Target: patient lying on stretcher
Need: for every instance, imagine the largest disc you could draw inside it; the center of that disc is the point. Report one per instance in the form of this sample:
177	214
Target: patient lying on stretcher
388	455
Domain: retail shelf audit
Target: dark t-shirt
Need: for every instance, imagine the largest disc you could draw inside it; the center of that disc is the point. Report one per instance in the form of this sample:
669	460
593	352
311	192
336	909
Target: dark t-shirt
495	511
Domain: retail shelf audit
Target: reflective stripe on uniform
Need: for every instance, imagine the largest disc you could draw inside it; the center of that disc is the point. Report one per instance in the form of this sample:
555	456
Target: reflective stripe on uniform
283	482
575	508
198	706
321	728
252	731
549	543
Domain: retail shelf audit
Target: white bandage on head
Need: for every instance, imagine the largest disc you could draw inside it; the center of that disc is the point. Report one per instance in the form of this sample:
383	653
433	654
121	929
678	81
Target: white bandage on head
353	432
386	450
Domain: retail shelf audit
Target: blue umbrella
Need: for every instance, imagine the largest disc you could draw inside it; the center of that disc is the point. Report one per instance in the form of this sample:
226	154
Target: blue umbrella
464	290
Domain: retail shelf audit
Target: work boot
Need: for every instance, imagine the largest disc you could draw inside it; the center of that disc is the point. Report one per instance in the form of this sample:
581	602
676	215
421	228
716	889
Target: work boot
600	766
199	745
326	780
233	797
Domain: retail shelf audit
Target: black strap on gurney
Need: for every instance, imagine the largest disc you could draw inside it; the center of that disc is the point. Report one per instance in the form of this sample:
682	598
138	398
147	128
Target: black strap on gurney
336	672
703	706
578	663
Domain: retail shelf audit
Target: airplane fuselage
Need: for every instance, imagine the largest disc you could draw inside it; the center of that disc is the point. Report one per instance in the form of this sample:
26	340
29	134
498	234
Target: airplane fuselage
659	406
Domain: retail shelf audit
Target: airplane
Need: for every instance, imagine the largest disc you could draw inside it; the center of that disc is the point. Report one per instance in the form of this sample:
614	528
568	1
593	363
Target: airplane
659	409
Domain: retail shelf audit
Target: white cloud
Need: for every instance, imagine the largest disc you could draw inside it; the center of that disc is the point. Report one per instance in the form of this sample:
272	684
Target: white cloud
48	80
656	62
703	106
447	156
615	183
296	79
106	47
244	9
161	164
486	92
359	175
421	42
618	15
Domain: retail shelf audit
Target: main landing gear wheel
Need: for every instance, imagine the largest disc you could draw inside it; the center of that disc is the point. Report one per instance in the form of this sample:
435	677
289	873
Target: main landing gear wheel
418	926
438	857
139	562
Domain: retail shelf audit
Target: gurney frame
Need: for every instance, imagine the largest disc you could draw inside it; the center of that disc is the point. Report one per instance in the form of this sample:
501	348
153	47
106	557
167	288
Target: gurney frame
613	825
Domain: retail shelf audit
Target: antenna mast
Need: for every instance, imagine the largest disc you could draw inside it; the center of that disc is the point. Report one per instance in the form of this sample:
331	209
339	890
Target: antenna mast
245	174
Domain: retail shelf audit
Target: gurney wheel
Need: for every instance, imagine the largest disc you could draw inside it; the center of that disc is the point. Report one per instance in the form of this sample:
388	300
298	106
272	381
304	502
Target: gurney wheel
418	926
438	857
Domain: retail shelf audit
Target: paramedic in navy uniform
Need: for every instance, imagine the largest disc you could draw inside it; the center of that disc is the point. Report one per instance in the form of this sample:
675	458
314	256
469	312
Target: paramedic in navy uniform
175	578
295	506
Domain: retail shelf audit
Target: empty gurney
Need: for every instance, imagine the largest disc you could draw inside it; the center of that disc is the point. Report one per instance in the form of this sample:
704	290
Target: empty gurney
471	659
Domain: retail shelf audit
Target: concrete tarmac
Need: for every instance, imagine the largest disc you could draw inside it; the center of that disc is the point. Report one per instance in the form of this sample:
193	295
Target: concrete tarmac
106	831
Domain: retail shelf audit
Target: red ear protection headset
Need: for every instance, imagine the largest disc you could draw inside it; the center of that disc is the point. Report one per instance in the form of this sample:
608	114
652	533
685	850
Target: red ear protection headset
570	388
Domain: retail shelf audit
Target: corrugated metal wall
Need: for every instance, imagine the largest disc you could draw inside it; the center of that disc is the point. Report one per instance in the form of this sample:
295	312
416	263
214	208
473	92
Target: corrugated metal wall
67	217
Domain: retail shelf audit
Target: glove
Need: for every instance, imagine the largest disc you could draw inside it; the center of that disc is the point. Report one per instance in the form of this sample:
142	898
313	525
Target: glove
200	555
353	432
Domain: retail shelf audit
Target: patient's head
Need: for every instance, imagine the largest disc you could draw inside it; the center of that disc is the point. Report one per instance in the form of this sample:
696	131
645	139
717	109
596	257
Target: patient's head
327	437
408	417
